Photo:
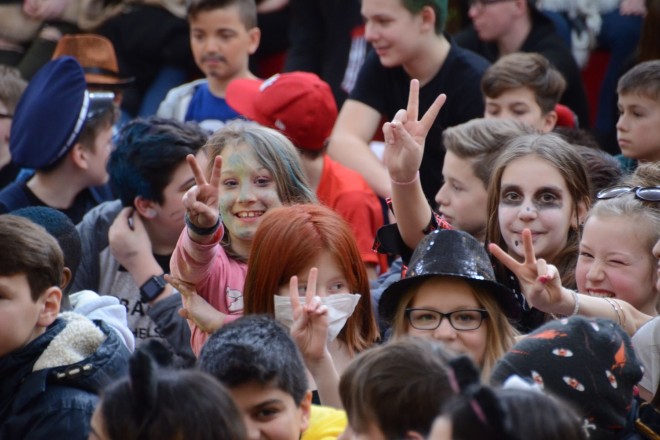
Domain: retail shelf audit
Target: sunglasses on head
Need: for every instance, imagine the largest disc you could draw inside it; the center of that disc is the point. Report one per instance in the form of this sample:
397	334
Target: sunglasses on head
99	103
646	193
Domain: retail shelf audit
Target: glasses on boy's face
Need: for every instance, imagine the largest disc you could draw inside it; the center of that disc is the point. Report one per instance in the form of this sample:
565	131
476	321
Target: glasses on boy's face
425	319
480	4
646	193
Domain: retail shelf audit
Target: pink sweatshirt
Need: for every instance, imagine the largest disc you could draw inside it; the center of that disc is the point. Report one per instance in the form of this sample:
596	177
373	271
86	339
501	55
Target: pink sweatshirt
219	279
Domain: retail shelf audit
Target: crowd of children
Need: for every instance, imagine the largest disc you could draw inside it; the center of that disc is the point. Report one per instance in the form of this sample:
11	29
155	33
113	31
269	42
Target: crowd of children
228	269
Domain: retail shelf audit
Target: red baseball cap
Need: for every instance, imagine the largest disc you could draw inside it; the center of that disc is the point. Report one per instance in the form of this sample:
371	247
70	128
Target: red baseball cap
299	104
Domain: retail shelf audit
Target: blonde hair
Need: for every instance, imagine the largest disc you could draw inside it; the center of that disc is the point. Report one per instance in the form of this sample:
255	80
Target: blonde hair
482	140
500	334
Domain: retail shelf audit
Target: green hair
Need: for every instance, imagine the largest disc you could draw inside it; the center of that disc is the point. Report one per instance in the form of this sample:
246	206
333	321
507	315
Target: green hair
439	7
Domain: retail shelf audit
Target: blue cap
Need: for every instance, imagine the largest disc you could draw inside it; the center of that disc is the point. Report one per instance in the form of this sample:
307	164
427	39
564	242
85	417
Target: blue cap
50	114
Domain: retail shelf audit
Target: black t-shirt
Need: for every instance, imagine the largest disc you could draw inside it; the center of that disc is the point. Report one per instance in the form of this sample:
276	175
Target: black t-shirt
386	90
8	174
18	195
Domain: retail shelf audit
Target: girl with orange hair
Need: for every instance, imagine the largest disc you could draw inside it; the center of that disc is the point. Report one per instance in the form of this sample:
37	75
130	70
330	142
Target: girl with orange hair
310	250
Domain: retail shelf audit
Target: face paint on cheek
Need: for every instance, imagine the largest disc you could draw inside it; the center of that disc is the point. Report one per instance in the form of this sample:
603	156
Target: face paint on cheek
224	204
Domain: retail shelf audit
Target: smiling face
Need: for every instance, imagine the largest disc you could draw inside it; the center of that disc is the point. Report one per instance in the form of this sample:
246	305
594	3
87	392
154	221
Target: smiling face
462	199
638	127
392	30
221	44
269	413
519	104
615	262
534	195
446	295
247	191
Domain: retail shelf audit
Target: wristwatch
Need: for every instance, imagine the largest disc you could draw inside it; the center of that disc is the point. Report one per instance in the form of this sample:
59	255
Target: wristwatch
153	287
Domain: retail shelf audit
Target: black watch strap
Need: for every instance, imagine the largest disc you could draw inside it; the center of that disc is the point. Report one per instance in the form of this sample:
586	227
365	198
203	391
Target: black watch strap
153	287
202	231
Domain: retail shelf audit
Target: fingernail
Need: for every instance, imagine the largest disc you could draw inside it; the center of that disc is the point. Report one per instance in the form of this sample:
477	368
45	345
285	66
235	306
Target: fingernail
543	279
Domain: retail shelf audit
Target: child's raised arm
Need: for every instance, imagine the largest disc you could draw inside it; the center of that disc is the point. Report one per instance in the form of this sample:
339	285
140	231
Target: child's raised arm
201	202
310	332
404	148
541	285
195	250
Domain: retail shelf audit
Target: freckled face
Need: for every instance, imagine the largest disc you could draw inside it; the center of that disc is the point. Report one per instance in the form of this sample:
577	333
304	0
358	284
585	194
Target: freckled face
534	195
247	191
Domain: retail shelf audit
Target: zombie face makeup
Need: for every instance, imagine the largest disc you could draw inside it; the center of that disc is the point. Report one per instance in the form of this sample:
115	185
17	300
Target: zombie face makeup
535	196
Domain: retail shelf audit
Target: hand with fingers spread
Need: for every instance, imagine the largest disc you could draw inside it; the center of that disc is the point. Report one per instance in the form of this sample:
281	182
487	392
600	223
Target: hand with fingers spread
195	308
310	321
201	201
539	281
405	136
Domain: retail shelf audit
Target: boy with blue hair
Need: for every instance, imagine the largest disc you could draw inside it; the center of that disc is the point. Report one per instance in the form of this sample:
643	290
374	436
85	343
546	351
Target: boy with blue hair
53	365
127	243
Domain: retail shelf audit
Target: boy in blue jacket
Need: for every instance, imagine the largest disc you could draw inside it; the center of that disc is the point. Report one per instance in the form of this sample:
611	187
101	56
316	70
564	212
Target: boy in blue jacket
51	365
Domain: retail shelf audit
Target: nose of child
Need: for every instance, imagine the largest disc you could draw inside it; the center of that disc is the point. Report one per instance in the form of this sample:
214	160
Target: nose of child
246	193
527	212
595	272
251	428
440	197
444	332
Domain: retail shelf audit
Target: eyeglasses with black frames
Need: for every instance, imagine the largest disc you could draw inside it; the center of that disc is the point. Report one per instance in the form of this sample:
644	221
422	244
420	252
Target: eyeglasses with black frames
646	193
461	320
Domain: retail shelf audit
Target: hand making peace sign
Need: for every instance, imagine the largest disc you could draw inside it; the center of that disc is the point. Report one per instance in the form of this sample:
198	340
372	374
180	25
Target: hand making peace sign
310	321
405	136
539	281
201	201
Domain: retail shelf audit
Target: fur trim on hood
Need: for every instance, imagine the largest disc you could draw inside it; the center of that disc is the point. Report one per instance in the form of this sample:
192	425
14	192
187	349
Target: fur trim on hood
79	340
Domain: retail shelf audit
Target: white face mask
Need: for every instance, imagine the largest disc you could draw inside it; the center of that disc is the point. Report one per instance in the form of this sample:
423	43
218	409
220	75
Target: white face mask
340	308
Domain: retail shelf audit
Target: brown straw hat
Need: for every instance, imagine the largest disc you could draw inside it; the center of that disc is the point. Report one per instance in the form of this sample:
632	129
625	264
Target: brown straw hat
96	55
